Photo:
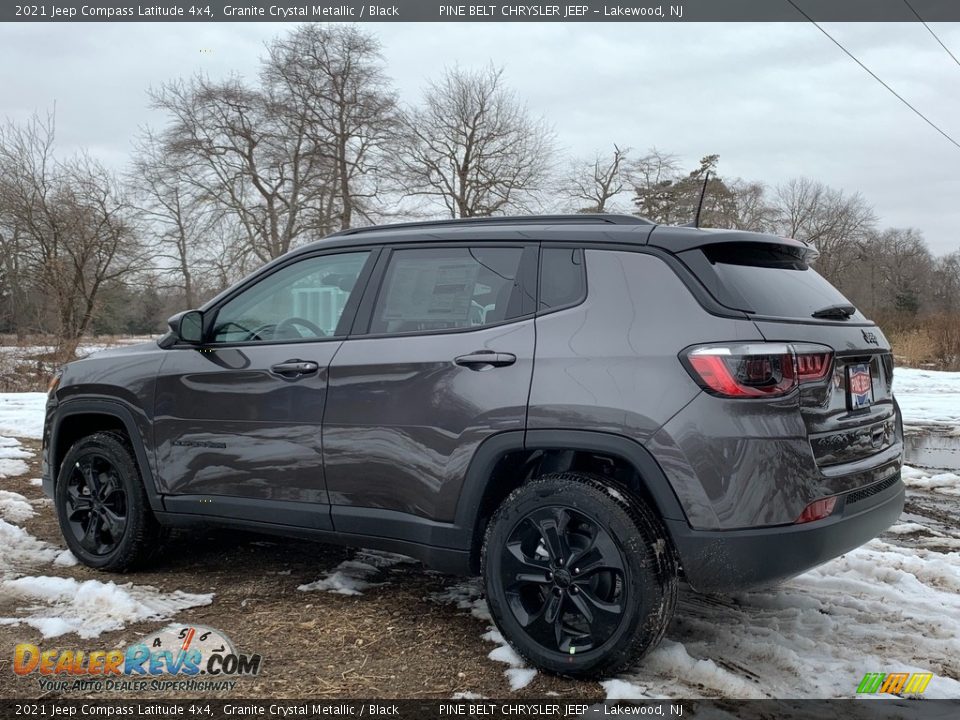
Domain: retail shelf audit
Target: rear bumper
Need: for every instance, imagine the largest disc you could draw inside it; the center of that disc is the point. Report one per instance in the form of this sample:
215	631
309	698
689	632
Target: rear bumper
728	560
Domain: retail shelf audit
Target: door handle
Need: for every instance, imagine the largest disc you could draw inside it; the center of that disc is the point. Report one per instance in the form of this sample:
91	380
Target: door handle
295	368
483	359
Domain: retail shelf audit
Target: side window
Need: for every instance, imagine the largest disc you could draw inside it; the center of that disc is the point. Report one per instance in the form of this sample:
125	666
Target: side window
448	288
302	301
563	279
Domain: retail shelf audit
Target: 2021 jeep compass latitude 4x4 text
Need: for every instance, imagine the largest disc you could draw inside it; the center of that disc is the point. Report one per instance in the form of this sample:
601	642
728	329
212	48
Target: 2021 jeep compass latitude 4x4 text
583	409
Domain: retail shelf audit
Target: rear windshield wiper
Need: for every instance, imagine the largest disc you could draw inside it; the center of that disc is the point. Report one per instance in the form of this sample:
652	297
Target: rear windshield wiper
835	311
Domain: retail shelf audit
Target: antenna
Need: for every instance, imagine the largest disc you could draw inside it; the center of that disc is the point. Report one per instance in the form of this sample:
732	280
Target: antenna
703	191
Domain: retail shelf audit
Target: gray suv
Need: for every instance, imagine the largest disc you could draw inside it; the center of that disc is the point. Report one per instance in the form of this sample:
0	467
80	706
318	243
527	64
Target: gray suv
582	409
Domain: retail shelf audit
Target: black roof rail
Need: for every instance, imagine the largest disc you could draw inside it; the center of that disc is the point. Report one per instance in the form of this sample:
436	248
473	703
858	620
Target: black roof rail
608	218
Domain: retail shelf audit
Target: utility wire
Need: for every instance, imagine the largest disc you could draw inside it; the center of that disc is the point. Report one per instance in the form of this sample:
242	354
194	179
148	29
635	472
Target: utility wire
897	95
930	30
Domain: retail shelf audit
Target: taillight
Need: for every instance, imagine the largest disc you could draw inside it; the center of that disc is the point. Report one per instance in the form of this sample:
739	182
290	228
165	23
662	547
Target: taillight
817	510
754	370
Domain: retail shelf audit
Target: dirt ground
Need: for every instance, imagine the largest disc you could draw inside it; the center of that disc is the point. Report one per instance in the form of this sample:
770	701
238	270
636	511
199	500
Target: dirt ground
393	641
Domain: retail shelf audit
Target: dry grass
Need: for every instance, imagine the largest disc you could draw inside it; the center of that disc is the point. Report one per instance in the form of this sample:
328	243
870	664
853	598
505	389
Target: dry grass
28	362
932	342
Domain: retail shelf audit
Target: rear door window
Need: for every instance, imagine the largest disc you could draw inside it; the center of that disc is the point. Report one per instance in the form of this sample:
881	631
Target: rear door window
436	289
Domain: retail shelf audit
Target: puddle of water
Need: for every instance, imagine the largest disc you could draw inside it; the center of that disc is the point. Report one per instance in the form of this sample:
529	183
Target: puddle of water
933	451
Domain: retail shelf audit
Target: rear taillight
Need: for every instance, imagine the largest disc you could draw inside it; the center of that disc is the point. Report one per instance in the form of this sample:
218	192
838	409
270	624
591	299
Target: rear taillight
817	510
755	370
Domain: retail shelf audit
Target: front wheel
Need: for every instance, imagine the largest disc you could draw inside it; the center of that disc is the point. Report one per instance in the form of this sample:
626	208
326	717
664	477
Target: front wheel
102	506
579	577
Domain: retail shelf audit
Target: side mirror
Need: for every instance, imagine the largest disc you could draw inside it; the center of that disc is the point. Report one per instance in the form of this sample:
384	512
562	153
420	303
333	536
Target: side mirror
187	326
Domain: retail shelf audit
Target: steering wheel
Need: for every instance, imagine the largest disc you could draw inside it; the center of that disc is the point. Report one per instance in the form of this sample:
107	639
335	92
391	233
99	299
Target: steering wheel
292	323
262	333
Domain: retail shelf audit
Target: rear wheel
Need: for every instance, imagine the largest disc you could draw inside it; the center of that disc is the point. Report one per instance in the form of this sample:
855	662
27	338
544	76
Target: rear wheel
102	506
578	576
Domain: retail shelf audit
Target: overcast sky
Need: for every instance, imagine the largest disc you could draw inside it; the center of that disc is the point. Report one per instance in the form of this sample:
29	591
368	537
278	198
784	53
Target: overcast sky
774	100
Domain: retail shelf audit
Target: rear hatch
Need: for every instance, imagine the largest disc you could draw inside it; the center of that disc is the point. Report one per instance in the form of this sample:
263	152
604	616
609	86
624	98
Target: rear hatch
850	413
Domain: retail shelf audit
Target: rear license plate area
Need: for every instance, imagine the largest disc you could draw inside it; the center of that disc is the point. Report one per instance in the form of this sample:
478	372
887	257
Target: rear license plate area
859	386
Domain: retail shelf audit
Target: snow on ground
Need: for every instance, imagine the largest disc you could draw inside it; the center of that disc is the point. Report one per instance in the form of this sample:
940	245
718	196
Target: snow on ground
947	483
21	415
14	507
57	605
928	397
22	551
12	456
352	577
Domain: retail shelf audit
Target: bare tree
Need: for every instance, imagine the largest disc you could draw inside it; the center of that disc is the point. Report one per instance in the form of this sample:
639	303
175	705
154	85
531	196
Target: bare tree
592	184
473	146
752	207
652	177
335	75
828	219
73	222
254	154
179	216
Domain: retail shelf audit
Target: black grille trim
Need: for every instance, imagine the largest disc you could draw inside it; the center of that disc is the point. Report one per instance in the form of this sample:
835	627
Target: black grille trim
870	490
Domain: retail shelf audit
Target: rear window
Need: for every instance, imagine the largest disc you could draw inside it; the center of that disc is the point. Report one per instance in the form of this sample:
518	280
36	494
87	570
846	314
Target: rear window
764	278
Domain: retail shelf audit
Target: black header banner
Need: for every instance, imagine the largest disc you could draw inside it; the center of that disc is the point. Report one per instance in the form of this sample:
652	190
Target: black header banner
459	11
479	709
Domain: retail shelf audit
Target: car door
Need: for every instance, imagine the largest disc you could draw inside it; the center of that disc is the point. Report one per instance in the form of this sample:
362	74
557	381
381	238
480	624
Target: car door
238	426
440	359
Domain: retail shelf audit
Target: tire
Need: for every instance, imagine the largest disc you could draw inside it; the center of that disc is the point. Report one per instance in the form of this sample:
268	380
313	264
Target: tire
623	571
102	505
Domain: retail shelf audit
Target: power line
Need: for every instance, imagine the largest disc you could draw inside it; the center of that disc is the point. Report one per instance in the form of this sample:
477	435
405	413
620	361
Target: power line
897	95
930	30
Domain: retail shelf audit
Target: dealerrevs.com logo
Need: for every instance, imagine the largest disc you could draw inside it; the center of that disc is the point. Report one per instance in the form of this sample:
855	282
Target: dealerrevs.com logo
178	657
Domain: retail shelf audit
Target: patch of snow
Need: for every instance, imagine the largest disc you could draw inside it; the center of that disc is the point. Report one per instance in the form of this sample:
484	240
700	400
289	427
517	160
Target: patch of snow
468	596
519	678
946	483
65	559
349	578
352	577
467	695
624	690
15	507
36	482
880	608
64	605
21	414
12	456
907	528
927	397
21	550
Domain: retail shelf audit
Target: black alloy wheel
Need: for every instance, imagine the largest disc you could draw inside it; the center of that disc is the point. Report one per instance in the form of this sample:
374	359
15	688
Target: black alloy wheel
96	504
579	574
563	576
102	504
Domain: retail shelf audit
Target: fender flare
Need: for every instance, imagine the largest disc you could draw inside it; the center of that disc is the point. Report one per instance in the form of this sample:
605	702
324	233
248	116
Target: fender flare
119	411
495	447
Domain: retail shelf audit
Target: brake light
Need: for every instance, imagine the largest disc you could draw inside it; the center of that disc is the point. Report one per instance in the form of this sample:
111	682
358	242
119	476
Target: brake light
817	510
813	365
754	370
